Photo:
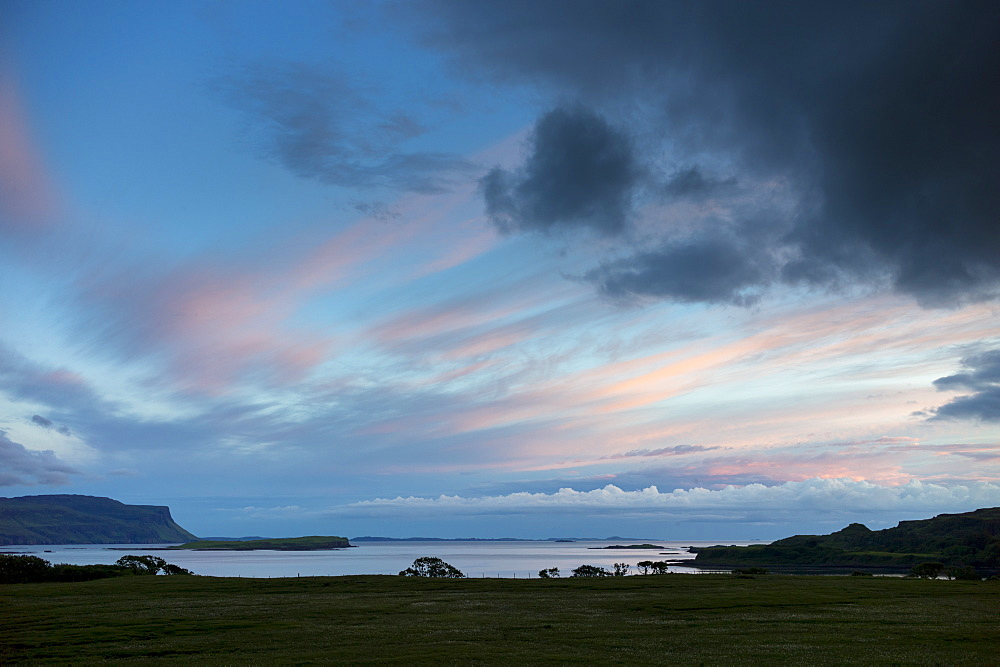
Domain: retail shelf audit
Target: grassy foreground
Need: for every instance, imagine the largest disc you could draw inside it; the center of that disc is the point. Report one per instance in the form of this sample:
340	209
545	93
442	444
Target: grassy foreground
639	619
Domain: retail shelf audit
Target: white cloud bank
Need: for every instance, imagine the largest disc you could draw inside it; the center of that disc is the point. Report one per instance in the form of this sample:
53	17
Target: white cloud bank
819	496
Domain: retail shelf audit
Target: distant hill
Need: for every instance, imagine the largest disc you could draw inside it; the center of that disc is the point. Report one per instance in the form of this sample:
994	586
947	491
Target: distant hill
73	519
971	538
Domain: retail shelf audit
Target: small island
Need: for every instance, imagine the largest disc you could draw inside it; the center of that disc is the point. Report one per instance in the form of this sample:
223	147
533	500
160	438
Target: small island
311	543
630	546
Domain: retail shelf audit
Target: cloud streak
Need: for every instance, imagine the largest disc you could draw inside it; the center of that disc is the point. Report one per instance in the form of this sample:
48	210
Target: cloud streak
322	126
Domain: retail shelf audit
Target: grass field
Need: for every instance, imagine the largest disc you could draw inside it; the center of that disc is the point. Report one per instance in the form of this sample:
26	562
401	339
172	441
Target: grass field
639	619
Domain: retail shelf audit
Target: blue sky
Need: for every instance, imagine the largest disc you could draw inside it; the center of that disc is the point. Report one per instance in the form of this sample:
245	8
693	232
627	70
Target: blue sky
714	270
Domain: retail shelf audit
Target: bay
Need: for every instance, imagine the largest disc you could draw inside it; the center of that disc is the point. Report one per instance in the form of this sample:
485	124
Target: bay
504	559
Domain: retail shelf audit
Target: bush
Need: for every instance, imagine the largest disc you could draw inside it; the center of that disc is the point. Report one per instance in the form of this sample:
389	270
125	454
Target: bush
859	573
751	571
550	573
432	567
66	572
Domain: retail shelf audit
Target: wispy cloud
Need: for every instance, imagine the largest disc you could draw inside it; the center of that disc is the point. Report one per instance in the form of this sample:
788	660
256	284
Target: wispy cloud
323	126
20	466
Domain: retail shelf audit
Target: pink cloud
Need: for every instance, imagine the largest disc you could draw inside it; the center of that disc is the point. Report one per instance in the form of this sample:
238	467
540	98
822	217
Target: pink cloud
218	326
27	197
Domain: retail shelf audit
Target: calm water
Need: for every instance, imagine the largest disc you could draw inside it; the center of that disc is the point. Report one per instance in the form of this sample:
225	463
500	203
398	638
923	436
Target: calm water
476	559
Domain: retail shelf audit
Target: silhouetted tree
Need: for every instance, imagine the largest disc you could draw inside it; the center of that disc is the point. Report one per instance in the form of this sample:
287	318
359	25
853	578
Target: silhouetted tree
963	573
931	570
15	569
621	569
142	564
170	568
431	567
550	573
590	571
653	567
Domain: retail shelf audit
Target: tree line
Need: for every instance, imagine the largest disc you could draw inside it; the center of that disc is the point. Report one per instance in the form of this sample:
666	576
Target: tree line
24	569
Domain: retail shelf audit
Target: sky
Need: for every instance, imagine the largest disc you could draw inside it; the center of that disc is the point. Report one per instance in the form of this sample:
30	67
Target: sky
714	270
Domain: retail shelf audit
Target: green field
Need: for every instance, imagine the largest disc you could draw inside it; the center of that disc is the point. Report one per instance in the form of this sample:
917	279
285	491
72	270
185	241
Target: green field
639	619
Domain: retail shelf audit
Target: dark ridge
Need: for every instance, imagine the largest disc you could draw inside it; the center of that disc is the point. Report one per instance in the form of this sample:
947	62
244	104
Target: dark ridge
75	519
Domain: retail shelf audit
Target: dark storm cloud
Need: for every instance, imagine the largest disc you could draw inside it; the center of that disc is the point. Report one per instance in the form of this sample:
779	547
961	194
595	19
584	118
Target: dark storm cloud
880	118
323	127
693	183
47	423
20	466
712	270
983	379
581	172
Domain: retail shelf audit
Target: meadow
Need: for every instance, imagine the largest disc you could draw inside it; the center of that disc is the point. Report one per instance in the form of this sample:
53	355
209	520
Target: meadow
637	619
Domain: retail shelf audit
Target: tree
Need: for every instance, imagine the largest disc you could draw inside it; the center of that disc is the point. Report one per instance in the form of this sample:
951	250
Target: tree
931	570
550	573
142	564
432	567
170	568
23	569
621	569
653	567
590	571
963	573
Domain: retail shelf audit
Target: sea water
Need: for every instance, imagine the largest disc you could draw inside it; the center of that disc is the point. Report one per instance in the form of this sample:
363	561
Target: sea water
506	559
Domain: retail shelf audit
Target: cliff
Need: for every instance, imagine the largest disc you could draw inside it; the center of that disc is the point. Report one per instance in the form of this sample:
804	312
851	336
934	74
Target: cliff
73	519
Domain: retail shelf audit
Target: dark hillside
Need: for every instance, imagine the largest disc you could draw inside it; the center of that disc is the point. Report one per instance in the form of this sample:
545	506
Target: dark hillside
970	538
73	519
